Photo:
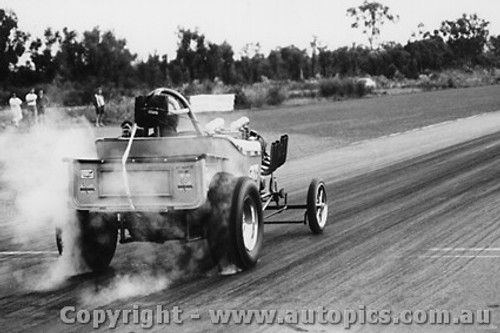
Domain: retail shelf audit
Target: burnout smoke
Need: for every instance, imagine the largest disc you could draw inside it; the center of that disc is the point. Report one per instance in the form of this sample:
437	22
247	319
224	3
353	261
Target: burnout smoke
32	171
123	287
150	268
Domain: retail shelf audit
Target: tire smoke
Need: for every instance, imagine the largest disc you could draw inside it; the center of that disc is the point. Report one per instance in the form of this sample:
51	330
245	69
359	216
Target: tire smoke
34	179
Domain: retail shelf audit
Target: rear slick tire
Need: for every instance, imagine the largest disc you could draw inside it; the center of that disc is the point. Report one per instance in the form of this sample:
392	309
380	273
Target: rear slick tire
235	233
96	240
247	223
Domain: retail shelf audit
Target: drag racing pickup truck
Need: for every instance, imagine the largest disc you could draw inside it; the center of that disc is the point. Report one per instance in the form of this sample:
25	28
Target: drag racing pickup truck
160	183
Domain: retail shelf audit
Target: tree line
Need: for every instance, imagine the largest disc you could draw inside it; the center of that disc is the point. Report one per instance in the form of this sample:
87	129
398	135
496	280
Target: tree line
100	58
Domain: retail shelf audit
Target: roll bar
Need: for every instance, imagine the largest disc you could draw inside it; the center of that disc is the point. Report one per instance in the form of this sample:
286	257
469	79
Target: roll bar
186	105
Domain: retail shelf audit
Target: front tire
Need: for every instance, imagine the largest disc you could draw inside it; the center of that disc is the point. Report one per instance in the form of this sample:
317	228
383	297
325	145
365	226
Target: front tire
317	206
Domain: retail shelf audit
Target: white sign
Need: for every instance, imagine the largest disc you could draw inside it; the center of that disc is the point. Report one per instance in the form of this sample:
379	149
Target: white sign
212	103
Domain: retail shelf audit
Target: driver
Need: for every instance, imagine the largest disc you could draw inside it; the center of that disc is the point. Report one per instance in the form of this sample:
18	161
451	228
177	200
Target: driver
169	126
126	127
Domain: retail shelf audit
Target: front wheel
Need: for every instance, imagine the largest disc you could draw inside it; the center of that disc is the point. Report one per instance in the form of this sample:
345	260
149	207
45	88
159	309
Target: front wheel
317	206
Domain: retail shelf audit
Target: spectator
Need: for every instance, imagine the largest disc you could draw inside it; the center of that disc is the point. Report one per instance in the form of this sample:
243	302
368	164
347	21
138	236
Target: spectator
41	103
98	102
15	107
31	104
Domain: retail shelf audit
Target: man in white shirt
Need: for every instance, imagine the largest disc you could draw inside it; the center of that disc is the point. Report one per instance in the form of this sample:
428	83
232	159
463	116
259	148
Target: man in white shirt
31	104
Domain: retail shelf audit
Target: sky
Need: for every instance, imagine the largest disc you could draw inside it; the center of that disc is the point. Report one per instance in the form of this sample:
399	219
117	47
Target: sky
150	26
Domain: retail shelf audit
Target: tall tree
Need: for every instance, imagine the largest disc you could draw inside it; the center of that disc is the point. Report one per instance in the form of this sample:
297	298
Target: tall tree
253	66
192	54
12	42
314	56
429	53
107	57
43	56
294	62
153	72
71	56
228	67
494	45
325	62
466	36
370	16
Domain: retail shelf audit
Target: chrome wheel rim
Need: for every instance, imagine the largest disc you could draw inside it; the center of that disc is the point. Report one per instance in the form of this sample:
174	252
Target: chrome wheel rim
250	225
321	206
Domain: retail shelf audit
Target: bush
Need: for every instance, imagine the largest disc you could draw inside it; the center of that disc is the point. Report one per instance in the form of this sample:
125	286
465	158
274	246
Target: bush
329	87
343	88
275	95
240	99
115	111
256	95
119	110
197	88
360	89
5	96
450	83
348	88
73	97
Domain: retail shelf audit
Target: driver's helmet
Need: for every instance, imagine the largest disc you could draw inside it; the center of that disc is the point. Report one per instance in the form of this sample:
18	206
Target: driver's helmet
153	109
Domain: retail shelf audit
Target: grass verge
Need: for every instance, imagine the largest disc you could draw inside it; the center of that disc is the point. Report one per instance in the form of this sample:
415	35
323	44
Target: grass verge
327	124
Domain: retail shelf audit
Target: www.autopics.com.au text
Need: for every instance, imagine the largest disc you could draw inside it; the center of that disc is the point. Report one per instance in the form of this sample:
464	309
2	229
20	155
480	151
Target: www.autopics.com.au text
147	317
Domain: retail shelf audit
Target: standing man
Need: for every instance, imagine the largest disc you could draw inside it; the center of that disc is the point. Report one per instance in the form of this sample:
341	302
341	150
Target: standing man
15	107
41	103
31	104
98	102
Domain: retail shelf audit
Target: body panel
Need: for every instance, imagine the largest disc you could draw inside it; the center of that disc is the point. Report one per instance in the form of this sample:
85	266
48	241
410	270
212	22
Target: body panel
160	174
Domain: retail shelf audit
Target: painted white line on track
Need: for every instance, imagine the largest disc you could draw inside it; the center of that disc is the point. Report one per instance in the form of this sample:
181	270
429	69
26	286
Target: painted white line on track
16	253
465	249
461	256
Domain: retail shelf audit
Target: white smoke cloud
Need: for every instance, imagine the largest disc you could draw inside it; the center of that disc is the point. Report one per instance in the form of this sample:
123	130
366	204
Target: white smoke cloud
149	268
125	286
35	177
32	167
34	170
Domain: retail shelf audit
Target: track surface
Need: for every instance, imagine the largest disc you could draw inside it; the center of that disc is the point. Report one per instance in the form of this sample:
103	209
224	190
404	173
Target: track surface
418	234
